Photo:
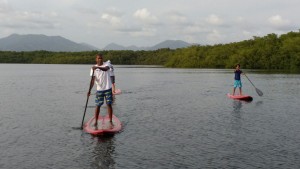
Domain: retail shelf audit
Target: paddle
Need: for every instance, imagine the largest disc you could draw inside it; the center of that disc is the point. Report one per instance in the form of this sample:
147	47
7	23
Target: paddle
259	92
87	99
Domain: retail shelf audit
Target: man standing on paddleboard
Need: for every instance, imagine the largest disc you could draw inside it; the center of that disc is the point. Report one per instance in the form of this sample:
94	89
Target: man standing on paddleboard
237	79
101	76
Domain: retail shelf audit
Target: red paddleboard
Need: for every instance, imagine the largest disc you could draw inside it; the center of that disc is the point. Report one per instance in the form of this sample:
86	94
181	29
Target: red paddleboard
240	97
117	92
104	126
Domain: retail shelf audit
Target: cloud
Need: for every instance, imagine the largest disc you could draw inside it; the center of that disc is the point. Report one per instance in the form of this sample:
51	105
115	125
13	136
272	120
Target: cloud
114	11
137	31
111	19
119	25
130	29
214	20
195	29
278	22
4	7
30	20
176	18
145	16
214	37
145	32
86	11
244	27
12	19
240	19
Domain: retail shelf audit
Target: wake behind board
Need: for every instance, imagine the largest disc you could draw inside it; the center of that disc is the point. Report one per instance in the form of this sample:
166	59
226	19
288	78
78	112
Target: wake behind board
117	92
104	126
240	97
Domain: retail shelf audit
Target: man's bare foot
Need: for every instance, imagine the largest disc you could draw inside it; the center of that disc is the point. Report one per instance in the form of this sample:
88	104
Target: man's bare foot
110	125
96	126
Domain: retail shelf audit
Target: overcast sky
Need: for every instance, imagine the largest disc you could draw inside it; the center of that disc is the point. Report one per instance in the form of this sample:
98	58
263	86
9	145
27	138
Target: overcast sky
148	22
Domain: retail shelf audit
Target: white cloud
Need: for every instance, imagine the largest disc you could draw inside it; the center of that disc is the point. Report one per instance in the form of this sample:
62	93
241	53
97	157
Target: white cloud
145	16
278	21
29	20
214	20
111	19
194	29
177	17
114	11
114	18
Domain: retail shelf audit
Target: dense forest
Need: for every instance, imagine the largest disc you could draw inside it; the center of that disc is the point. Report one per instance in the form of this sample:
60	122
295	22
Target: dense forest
271	52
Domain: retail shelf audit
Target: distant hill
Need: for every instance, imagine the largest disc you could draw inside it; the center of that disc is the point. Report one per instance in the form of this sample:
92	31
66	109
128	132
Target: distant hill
35	42
113	46
172	44
89	46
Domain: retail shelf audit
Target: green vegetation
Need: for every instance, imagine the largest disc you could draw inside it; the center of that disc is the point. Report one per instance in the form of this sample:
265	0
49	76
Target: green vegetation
271	52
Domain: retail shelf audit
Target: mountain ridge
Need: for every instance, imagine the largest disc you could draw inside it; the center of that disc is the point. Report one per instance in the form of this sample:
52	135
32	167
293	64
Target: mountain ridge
172	44
36	42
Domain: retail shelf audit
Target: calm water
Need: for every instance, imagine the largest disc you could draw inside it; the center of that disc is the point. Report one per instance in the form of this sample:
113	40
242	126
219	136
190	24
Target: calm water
172	118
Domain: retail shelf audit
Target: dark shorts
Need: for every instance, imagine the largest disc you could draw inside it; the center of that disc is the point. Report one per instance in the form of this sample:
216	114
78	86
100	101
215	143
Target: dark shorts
112	79
100	95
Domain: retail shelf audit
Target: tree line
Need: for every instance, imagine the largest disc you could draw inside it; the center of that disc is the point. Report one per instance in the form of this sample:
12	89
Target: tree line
271	52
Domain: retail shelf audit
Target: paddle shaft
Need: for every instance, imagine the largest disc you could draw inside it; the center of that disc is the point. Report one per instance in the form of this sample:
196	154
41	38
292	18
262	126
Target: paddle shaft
259	92
87	99
249	80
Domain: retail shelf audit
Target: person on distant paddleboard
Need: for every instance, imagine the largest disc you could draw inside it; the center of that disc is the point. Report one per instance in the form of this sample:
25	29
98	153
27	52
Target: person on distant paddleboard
112	76
237	79
101	76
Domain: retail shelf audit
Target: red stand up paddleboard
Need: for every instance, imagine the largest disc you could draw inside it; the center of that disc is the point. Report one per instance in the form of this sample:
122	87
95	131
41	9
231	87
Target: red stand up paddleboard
104	126
240	97
117	92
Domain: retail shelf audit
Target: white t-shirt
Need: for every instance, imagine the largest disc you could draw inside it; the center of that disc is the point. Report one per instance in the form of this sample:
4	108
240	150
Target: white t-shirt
102	78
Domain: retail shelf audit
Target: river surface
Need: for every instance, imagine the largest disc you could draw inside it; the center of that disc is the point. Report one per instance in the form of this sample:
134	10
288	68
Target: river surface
172	118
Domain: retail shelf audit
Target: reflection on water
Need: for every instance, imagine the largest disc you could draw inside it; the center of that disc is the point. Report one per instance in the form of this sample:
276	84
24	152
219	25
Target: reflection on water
172	118
102	154
237	105
259	103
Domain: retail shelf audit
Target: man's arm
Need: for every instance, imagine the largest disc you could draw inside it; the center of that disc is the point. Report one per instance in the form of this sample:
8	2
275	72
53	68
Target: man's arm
106	68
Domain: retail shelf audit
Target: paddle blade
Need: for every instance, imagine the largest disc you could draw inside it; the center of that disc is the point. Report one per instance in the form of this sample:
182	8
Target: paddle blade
259	92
